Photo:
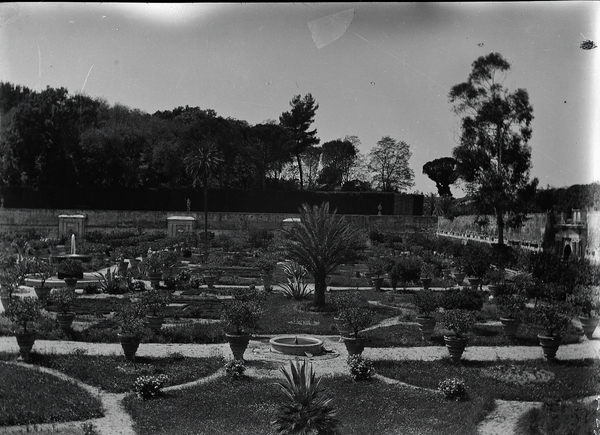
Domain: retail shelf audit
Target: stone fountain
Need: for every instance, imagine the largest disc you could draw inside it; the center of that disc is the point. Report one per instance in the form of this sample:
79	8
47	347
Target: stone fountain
73	255
294	345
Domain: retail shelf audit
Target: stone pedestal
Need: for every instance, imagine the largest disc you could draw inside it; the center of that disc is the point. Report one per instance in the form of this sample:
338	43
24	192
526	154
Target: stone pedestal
72	224
180	224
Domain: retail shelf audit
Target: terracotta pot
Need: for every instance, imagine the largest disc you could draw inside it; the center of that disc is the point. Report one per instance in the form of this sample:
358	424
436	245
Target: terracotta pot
267	280
238	344
550	345
459	277
589	325
42	294
154	279
354	345
510	326
426	326
25	340
456	346
377	283
426	283
154	322
474	282
65	320
211	280
70	282
130	346
343	328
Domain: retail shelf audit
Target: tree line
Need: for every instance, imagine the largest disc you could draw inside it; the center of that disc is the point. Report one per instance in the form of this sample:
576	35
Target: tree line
53	138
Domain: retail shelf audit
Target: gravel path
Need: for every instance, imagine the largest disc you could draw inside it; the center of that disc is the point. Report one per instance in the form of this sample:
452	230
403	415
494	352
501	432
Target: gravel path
333	361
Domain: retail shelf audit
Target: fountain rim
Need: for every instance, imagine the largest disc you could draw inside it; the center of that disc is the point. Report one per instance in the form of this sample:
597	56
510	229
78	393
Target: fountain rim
314	345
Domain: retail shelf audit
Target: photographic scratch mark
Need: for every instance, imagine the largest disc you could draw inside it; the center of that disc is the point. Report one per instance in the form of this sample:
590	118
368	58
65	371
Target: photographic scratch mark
327	29
588	44
180	77
86	77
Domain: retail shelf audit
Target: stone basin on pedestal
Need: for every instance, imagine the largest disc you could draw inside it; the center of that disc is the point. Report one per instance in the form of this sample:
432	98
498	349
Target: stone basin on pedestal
293	345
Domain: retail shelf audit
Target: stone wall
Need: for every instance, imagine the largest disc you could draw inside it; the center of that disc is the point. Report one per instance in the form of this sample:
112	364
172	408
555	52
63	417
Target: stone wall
45	221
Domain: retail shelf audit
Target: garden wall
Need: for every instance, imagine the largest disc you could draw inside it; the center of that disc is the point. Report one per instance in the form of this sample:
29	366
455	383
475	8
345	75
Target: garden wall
45	221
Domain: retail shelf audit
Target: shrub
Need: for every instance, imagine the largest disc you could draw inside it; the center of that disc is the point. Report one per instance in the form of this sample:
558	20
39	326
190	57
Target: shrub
376	236
153	300
586	299
357	317
426	302
129	317
511	305
554	317
459	321
63	298
244	311
70	267
148	387
91	289
475	260
235	368
361	369
24	310
462	299
453	389
260	238
137	286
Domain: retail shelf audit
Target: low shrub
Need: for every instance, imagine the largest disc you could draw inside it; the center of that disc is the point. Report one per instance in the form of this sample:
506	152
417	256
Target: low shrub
361	369
235	368
453	389
462	299
148	387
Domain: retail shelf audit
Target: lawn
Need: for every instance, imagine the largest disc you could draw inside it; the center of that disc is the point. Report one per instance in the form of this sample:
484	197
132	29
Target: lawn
29	396
247	406
116	375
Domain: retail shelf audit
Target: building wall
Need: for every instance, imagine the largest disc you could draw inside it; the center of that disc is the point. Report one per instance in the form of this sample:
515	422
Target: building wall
45	221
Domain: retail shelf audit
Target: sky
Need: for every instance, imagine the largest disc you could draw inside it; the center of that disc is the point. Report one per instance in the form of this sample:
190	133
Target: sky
375	69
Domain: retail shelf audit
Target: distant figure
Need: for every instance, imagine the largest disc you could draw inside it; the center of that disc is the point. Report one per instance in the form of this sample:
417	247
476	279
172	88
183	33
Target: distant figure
189	204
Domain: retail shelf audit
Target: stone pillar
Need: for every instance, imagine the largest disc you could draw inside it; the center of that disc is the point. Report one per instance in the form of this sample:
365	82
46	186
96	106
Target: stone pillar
180	224
72	224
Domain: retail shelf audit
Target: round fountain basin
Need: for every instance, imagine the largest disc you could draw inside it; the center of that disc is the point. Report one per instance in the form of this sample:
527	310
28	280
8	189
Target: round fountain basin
296	345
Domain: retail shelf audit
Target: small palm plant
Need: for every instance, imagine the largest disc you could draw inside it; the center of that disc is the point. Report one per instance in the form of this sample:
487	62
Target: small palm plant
320	242
307	411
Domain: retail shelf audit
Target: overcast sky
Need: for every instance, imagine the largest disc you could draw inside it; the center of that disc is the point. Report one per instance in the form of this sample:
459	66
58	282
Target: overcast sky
375	69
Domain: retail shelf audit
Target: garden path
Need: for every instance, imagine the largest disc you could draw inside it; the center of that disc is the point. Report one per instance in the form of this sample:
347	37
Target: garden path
116	421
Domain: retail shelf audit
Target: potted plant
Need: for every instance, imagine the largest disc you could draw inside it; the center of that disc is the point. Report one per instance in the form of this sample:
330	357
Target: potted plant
22	311
511	307
586	300
241	314
555	318
42	270
8	284
152	266
70	271
358	318
459	322
63	299
153	300
426	302
213	268
129	318
340	300
376	265
427	274
496	277
267	263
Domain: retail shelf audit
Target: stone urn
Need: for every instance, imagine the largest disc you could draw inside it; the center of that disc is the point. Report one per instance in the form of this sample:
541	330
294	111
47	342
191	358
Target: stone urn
130	345
589	324
426	326
42	293
238	344
65	320
25	340
459	277
426	283
550	345
354	345
456	346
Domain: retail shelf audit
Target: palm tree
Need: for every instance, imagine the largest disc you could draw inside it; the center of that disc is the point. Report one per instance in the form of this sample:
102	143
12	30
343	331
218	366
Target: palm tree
308	410
321	243
202	163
